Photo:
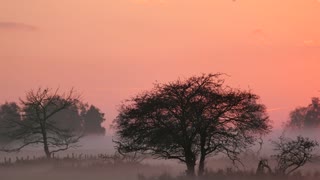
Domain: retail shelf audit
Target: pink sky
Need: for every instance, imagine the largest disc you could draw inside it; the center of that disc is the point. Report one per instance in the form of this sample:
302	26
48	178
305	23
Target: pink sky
110	50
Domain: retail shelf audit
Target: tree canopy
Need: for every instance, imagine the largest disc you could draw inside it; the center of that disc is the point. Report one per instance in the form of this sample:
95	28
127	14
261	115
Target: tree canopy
189	120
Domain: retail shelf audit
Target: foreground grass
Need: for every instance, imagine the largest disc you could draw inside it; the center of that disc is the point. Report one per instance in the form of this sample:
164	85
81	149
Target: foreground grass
97	169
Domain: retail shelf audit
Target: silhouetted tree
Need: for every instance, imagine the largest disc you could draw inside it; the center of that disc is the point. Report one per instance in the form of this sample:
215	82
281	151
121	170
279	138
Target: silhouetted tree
39	126
293	154
306	117
8	112
184	119
93	119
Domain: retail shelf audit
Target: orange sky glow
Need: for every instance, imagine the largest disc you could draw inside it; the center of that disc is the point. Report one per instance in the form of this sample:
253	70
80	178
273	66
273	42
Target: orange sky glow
110	50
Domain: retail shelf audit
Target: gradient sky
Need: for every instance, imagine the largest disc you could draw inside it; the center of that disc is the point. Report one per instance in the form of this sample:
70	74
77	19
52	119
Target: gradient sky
110	50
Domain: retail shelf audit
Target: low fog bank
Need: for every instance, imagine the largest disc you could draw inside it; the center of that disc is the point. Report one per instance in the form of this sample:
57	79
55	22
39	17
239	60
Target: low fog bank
64	171
90	145
97	145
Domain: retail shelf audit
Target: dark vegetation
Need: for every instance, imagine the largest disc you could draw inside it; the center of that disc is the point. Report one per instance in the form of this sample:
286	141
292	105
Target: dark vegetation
306	118
190	120
116	167
199	122
54	121
292	154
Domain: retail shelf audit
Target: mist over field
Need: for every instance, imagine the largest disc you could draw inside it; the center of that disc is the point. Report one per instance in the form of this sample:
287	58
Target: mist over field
219	167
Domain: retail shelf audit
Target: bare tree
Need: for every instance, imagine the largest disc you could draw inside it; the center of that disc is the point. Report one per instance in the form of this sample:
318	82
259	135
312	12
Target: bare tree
293	154
38	125
189	118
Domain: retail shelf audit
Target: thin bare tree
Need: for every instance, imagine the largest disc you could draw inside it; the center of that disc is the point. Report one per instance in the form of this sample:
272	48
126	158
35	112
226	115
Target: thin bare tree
293	154
38	127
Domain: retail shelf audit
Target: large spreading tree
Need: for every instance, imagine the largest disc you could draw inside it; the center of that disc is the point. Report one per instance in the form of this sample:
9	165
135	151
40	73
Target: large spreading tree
189	120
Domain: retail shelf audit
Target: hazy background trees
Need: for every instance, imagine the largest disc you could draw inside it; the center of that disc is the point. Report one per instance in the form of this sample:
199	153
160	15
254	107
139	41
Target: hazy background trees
8	112
82	117
185	119
92	120
306	117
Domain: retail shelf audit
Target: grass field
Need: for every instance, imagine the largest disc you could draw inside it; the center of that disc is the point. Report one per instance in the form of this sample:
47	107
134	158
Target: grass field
91	167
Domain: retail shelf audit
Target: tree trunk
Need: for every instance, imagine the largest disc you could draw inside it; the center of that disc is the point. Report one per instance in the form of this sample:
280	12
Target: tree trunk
190	162
190	169
202	155
45	139
46	150
45	146
201	164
